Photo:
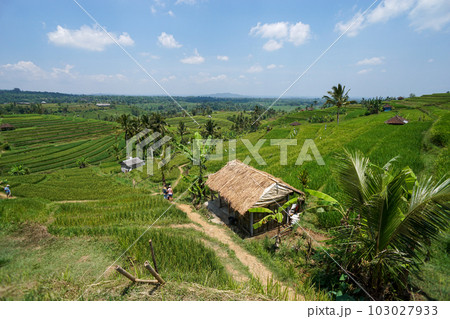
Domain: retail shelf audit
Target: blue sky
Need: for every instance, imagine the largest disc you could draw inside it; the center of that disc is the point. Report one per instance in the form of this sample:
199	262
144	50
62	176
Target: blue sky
194	47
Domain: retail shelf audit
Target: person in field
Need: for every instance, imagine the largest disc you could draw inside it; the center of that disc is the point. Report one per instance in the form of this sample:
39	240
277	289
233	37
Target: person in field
170	193
7	191
164	191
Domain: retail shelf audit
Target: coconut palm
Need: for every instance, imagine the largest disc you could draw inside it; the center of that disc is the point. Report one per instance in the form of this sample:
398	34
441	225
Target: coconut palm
125	122
198	155
211	129
393	218
158	123
182	130
337	96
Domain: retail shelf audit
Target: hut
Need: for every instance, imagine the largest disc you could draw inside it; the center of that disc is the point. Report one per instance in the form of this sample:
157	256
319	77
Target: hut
295	123
241	187
387	108
7	127
131	163
396	120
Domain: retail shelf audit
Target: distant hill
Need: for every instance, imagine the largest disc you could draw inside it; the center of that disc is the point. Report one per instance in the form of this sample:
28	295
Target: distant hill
226	95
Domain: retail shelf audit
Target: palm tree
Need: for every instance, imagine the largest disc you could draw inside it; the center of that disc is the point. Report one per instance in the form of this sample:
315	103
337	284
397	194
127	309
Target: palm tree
392	220
337	96
210	129
158	123
115	151
182	130
125	122
145	121
198	155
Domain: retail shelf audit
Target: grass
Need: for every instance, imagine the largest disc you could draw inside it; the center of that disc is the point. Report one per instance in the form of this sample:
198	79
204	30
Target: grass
113	214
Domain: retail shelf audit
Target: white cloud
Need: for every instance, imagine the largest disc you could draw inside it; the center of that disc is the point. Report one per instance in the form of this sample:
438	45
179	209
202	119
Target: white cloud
242	76
106	77
430	60
299	33
195	59
271	66
168	41
25	69
219	77
222	58
149	55
430	14
66	71
279	32
169	78
364	71
203	77
352	27
273	45
255	69
389	9
170	12
371	61
423	14
93	39
153	10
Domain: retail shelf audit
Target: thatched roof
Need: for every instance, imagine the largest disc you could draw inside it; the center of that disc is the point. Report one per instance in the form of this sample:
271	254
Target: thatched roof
396	120
295	123
244	187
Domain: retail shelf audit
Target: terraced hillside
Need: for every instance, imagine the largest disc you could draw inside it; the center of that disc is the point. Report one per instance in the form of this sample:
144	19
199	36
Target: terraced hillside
44	143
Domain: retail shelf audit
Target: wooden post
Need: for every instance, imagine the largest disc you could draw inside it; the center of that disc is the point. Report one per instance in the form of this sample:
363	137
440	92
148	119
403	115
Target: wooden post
220	201
251	224
154	273
125	273
153	255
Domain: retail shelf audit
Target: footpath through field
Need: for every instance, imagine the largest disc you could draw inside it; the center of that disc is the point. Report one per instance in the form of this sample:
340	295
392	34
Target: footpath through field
256	268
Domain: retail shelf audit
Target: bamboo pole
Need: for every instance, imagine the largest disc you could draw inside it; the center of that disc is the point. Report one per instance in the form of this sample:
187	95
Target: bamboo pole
154	273
153	255
125	273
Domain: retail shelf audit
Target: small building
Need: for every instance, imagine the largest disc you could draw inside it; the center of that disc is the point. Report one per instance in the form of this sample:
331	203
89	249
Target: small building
396	120
295	123
103	104
6	127
241	187
387	108
131	163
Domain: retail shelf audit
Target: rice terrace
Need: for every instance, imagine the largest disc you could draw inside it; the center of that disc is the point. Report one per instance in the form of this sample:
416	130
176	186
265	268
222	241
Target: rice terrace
175	151
73	211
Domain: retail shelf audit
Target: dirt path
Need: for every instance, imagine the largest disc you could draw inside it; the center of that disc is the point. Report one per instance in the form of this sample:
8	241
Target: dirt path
256	268
3	195
179	177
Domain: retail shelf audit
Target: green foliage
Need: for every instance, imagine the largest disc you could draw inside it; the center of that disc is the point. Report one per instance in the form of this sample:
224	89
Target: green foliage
397	216
82	162
373	106
19	169
338	97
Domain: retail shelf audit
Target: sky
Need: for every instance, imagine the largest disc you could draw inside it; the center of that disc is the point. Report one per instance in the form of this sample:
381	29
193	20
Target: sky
199	47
